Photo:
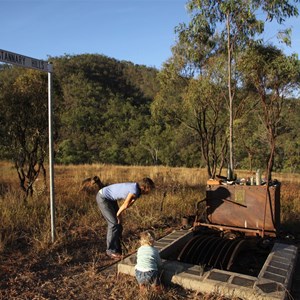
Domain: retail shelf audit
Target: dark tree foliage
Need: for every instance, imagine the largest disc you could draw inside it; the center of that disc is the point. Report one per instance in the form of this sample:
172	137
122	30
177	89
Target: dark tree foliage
102	115
105	109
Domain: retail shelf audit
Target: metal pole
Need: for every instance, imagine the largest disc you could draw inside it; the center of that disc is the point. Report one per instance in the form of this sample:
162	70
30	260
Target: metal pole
51	160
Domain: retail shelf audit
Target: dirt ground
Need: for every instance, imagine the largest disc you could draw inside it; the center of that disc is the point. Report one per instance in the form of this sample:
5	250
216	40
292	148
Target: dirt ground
78	271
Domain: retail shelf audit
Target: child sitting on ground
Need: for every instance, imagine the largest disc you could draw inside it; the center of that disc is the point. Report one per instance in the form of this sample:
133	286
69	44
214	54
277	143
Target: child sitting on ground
148	262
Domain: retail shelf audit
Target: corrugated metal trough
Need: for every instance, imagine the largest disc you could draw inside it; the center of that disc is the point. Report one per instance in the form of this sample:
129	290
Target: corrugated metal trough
273	280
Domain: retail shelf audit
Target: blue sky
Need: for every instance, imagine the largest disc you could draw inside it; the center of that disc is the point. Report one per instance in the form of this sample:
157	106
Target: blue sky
140	31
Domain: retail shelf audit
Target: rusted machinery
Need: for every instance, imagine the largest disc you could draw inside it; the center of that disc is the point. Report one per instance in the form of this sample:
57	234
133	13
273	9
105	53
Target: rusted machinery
251	210
236	228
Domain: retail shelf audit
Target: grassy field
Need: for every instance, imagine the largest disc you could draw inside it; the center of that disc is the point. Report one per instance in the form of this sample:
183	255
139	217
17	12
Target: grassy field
31	267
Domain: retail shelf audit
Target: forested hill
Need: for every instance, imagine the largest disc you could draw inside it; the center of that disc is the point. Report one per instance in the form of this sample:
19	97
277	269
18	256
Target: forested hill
101	107
112	76
105	108
116	112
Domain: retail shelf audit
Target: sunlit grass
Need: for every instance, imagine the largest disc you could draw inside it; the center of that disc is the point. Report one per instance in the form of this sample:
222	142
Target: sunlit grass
178	191
81	230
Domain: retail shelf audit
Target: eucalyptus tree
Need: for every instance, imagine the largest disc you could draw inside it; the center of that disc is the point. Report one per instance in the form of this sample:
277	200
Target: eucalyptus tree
226	26
204	114
195	104
23	112
275	77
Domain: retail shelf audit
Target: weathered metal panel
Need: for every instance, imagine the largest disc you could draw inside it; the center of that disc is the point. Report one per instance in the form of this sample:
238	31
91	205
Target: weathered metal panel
249	207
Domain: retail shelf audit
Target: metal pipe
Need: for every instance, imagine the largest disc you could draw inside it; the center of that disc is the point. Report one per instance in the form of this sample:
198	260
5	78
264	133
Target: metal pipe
51	156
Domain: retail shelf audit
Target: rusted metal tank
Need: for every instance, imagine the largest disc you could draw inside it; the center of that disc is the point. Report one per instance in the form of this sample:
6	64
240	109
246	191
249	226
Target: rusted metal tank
252	210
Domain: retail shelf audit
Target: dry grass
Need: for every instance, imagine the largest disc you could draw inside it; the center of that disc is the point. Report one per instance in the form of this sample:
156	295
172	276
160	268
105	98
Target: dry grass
31	267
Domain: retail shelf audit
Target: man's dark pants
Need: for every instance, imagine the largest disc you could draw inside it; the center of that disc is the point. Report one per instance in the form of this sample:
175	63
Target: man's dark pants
109	211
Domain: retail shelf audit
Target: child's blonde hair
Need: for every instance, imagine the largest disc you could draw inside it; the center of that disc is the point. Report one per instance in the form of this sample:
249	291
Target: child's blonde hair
147	238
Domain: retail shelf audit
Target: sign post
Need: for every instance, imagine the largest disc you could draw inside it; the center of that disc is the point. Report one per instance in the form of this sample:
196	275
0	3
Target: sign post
41	65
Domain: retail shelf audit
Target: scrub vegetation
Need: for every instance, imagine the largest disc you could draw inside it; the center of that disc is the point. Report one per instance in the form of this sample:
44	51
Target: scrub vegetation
72	267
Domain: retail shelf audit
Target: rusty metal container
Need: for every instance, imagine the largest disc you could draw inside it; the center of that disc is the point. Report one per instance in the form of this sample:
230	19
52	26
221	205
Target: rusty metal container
254	210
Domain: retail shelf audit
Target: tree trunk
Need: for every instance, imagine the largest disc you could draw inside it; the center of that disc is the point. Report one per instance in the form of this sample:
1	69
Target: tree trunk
230	97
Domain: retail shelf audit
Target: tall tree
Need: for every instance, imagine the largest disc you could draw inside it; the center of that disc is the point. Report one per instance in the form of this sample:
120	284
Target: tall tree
195	103
275	77
227	26
23	107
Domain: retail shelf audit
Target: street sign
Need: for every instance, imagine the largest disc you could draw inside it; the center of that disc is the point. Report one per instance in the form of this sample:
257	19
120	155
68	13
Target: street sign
24	61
